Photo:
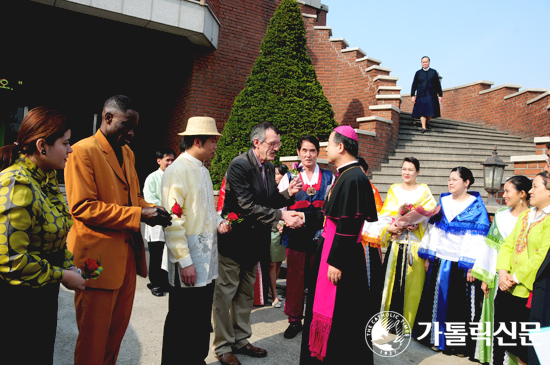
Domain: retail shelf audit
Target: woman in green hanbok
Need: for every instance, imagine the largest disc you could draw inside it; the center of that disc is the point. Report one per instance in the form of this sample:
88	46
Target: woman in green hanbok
516	195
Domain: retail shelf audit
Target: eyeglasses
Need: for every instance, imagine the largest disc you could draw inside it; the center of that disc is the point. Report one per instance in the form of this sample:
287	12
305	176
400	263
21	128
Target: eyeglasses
273	144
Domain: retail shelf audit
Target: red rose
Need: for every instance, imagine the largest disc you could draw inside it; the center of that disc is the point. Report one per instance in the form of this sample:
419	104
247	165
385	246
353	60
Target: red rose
176	209
91	265
232	217
91	269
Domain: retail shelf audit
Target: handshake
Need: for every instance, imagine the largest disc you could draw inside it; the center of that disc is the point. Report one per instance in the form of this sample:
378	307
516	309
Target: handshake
292	219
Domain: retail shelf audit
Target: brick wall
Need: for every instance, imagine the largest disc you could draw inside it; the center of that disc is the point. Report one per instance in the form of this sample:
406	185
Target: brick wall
216	77
504	107
347	88
215	6
530	166
354	84
529	169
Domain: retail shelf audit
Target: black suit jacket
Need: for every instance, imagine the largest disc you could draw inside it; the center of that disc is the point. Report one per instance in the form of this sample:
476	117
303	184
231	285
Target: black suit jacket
245	194
540	304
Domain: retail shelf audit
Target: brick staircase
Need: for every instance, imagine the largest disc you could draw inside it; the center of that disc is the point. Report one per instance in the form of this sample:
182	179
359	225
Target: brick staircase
364	95
361	91
450	144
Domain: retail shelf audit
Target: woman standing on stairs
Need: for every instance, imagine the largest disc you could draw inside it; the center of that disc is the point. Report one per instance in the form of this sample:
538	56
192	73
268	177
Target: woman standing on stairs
516	196
403	270
428	96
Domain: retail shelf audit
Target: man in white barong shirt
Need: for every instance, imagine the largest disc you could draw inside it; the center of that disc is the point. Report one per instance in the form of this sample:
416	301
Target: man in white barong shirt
191	258
158	280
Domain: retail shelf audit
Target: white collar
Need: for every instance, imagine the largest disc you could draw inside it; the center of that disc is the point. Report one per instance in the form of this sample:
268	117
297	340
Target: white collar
314	178
194	160
344	165
534	215
425	69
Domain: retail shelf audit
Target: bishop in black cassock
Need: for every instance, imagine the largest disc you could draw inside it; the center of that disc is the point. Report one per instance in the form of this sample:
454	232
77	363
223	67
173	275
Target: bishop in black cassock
339	303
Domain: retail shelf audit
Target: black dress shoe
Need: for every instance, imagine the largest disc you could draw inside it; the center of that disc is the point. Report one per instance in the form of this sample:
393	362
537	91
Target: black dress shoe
423	131
251	350
157	292
150	286
293	329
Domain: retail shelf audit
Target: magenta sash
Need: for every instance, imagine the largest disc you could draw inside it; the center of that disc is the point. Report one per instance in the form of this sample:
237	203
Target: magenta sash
325	297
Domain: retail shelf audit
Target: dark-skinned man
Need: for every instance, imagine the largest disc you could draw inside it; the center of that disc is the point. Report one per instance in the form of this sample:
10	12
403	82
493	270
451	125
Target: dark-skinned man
107	208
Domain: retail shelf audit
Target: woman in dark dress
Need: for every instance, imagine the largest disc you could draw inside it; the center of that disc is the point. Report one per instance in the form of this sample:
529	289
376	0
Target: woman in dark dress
426	94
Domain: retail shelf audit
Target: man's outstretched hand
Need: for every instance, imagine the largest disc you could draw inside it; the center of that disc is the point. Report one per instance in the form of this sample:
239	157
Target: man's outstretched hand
156	216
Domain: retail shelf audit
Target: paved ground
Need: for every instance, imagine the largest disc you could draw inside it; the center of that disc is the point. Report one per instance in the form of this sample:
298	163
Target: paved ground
143	341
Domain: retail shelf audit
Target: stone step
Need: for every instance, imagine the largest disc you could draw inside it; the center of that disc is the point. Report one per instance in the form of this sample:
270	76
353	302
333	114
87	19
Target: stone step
397	160
431	164
435	187
429	171
436	192
473	136
461	149
463	158
450	125
454	127
427	179
406	132
464	142
406	118
445	123
451	143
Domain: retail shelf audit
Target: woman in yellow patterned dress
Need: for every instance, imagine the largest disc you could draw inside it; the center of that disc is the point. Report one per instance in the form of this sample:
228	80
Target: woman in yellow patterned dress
34	222
403	270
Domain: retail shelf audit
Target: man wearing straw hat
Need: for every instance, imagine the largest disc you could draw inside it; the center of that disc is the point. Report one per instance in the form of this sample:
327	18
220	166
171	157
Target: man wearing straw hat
191	258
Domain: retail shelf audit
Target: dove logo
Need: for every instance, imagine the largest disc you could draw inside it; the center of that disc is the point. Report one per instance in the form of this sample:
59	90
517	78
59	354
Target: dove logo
388	334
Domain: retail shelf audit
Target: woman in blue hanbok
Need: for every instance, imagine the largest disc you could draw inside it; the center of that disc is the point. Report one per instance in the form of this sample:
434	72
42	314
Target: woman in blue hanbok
451	294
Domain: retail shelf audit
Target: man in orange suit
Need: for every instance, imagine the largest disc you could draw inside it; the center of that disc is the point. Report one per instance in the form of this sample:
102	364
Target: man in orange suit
106	204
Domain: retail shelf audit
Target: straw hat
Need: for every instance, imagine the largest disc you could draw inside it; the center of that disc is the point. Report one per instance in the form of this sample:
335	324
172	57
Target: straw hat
201	126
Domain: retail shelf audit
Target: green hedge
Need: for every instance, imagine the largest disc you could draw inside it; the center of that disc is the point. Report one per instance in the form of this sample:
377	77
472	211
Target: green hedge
282	89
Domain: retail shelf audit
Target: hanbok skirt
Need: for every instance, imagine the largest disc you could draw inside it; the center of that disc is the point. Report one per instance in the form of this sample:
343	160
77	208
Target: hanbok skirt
449	305
404	275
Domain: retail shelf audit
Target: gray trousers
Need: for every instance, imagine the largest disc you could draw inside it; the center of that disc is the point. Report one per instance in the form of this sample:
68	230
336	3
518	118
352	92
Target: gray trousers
233	301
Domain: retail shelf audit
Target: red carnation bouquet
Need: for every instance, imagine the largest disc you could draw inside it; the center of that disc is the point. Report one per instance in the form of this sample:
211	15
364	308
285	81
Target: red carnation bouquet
177	210
233	218
91	269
